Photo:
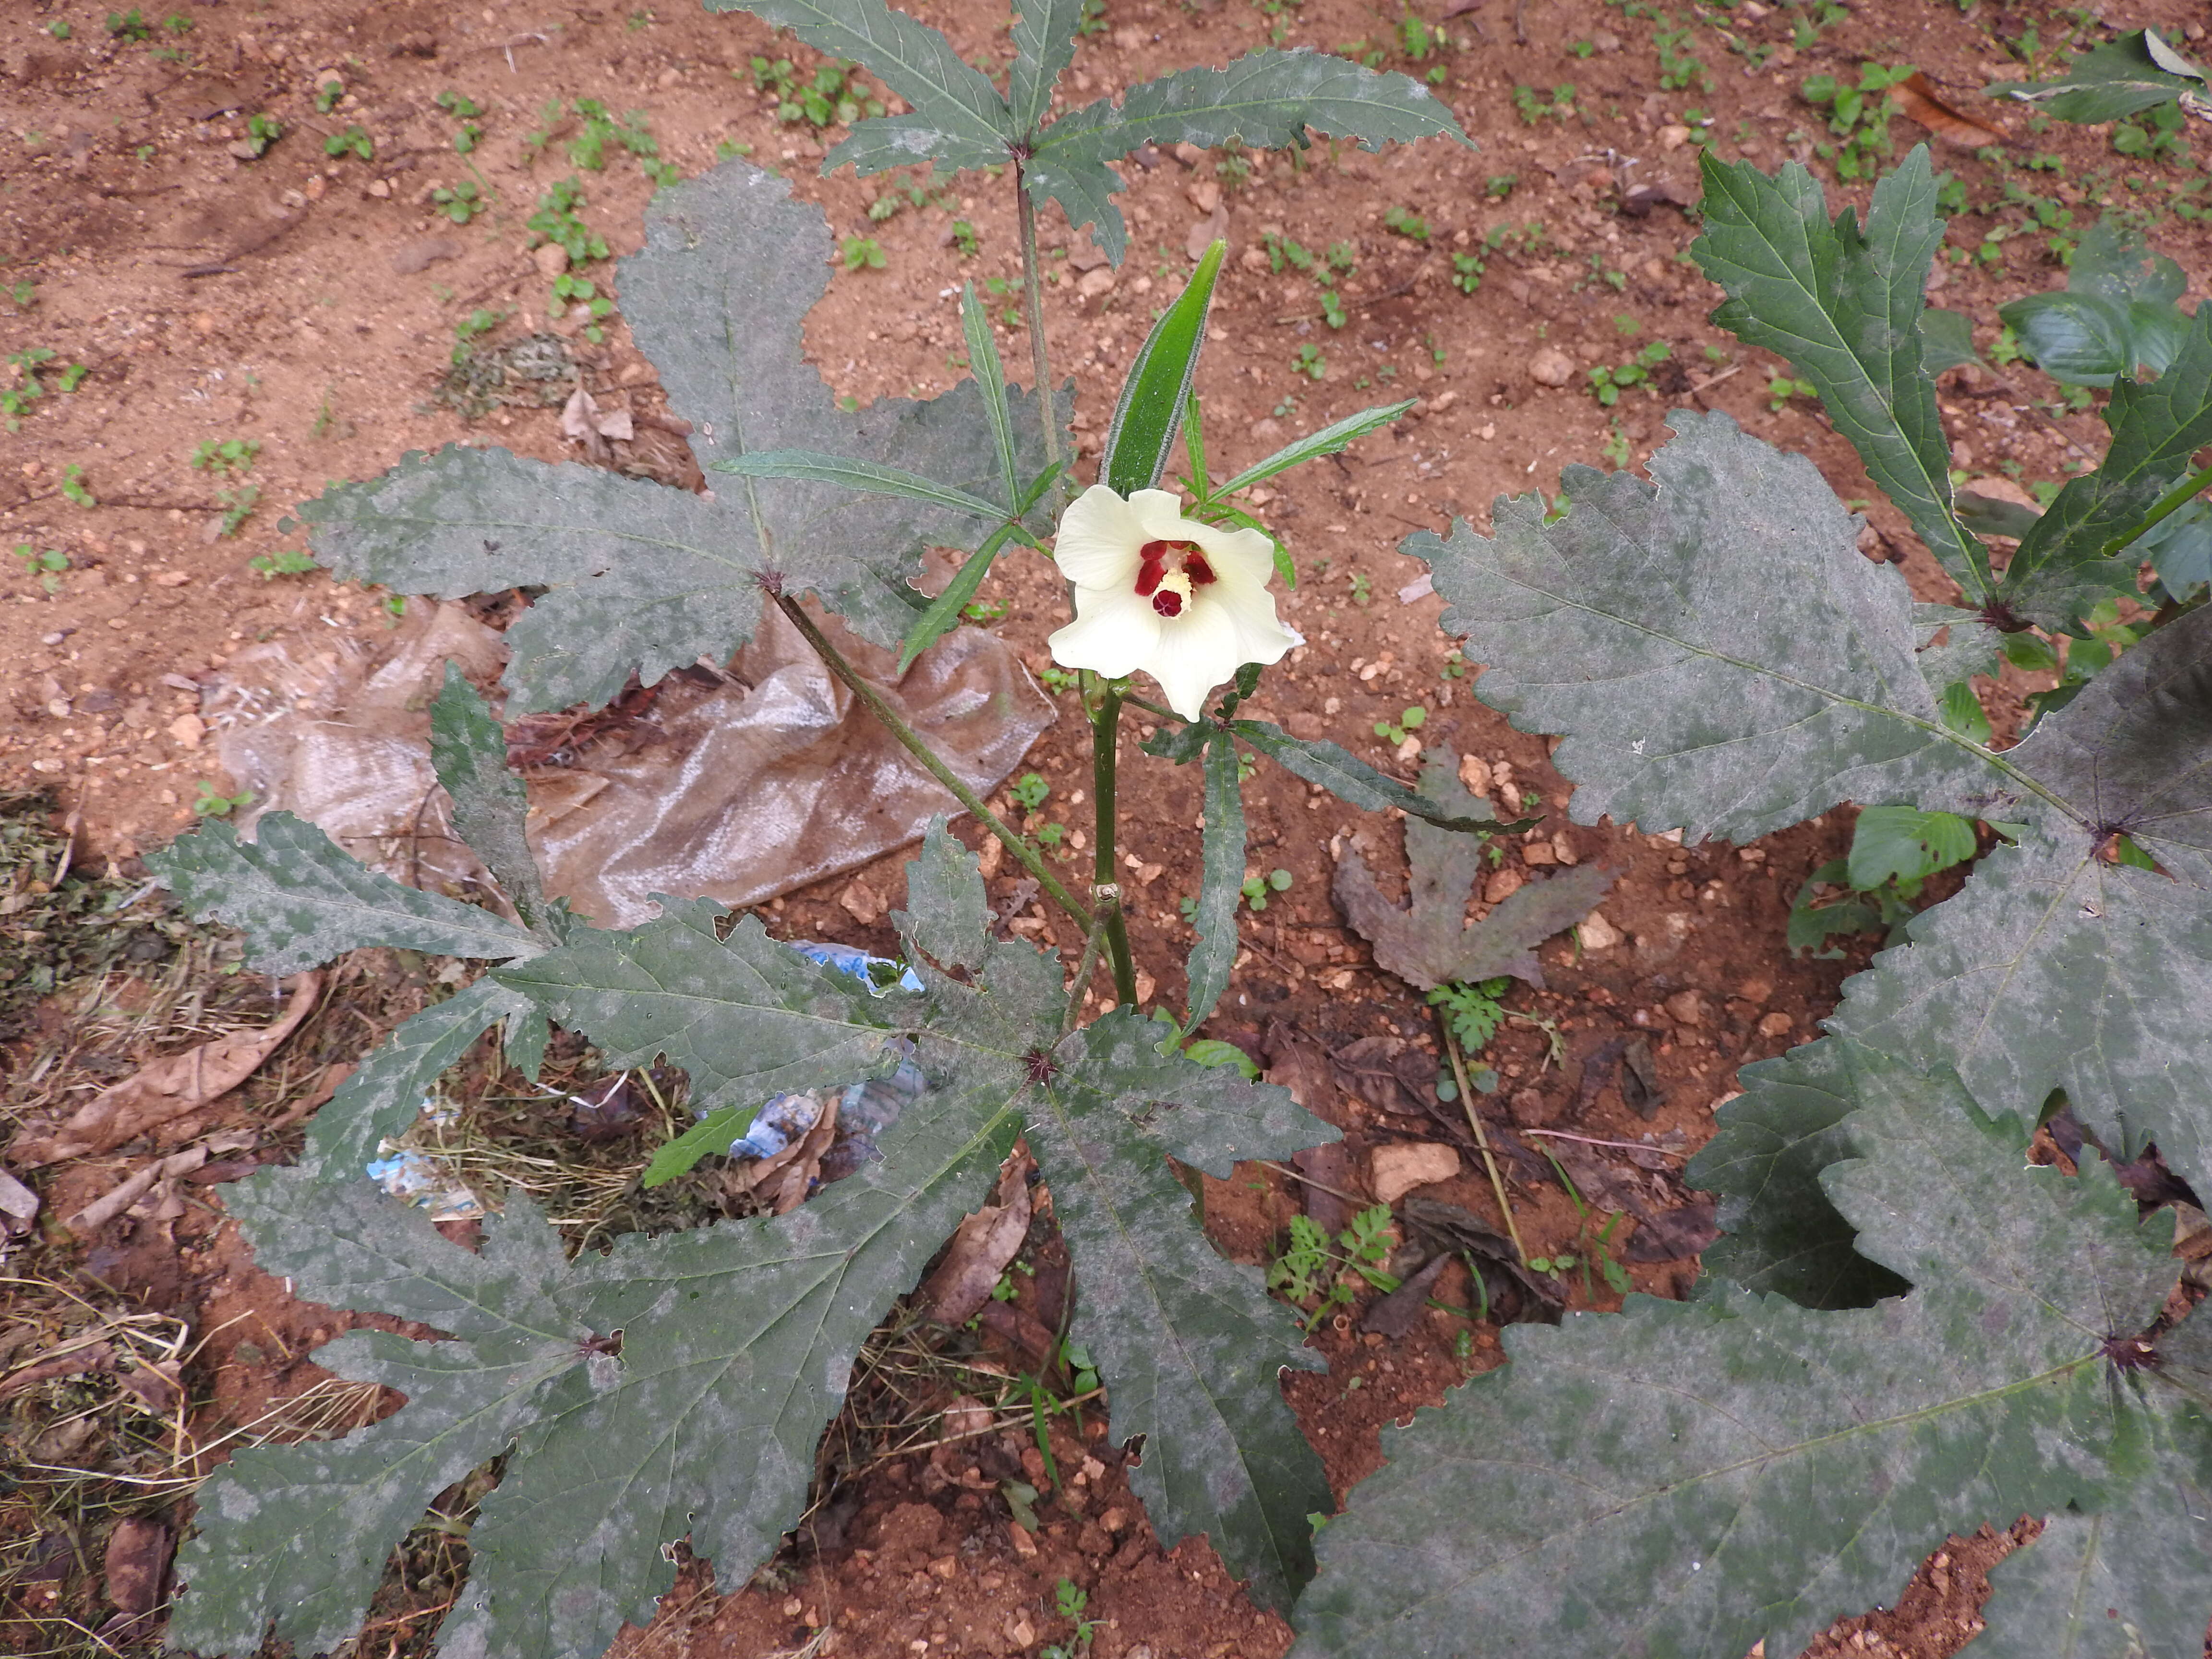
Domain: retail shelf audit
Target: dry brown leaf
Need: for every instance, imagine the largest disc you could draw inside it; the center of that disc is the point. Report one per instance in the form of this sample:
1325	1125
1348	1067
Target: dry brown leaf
1917	101
170	1087
800	1162
984	1243
137	1561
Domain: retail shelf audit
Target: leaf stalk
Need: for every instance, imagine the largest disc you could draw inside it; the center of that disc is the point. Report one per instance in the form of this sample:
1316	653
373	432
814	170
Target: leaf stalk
1031	859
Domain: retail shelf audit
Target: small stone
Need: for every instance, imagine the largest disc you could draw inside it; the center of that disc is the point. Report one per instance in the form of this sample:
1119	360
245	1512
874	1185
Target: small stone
1755	990
423	252
1551	366
1529	1108
861	901
551	260
1775	1024
1596	933
1267	430
1539	852
668	77
315	187
171	578
1395	1169
1563	848
1674	135
1253	259
380	189
1096	285
1475	775
1686	1008
1205	195
1502	885
1019	1631
188	730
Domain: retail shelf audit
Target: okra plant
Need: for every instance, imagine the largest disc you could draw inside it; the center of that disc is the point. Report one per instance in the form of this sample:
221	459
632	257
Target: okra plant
675	1387
1912	1327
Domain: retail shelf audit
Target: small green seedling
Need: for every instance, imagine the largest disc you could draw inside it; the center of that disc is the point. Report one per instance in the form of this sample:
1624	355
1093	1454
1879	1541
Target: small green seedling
469	135
1474	1012
460	204
354	141
1532	106
292	562
1069	1600
1607	384
1030	792
232	458
210	803
1781	388
129	26
47	564
1312	1265
560	218
1309	361
261	132
864	253
1858	116
1257	888
964	239
73	486
1395	732
1467	272
836	96
1403	222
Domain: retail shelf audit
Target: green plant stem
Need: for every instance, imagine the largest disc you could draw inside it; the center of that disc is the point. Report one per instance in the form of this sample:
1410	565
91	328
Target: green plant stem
1481	1140
1033	305
1106	887
1031	859
1081	983
2168	504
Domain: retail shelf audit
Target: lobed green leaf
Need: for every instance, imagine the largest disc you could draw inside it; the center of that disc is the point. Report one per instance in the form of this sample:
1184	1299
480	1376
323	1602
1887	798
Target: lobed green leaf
1674	1446
301	899
959	120
2077	554
1845	308
2109	81
1266	99
468	750
1221	880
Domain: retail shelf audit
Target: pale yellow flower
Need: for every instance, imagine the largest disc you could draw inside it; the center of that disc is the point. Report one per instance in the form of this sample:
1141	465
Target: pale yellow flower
1156	592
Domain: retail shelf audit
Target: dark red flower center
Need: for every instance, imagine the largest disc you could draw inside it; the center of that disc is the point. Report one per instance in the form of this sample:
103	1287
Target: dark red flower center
1156	560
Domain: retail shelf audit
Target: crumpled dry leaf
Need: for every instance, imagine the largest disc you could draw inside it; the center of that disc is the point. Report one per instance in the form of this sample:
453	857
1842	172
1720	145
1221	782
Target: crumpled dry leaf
112	1203
1393	1316
1429	942
1387	1073
137	1560
1453	1227
582	419
1917	101
982	1246
169	1087
782	1178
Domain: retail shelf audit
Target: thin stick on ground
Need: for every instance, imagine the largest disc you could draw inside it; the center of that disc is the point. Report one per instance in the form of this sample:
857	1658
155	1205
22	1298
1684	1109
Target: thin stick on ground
1481	1140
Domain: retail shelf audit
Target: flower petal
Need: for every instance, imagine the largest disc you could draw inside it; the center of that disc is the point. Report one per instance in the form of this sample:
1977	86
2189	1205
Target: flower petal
1260	637
1197	652
1114	633
1246	553
1098	540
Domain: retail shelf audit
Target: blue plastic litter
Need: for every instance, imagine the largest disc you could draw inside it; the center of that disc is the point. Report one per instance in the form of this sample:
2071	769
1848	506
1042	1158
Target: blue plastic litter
848	960
864	1109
